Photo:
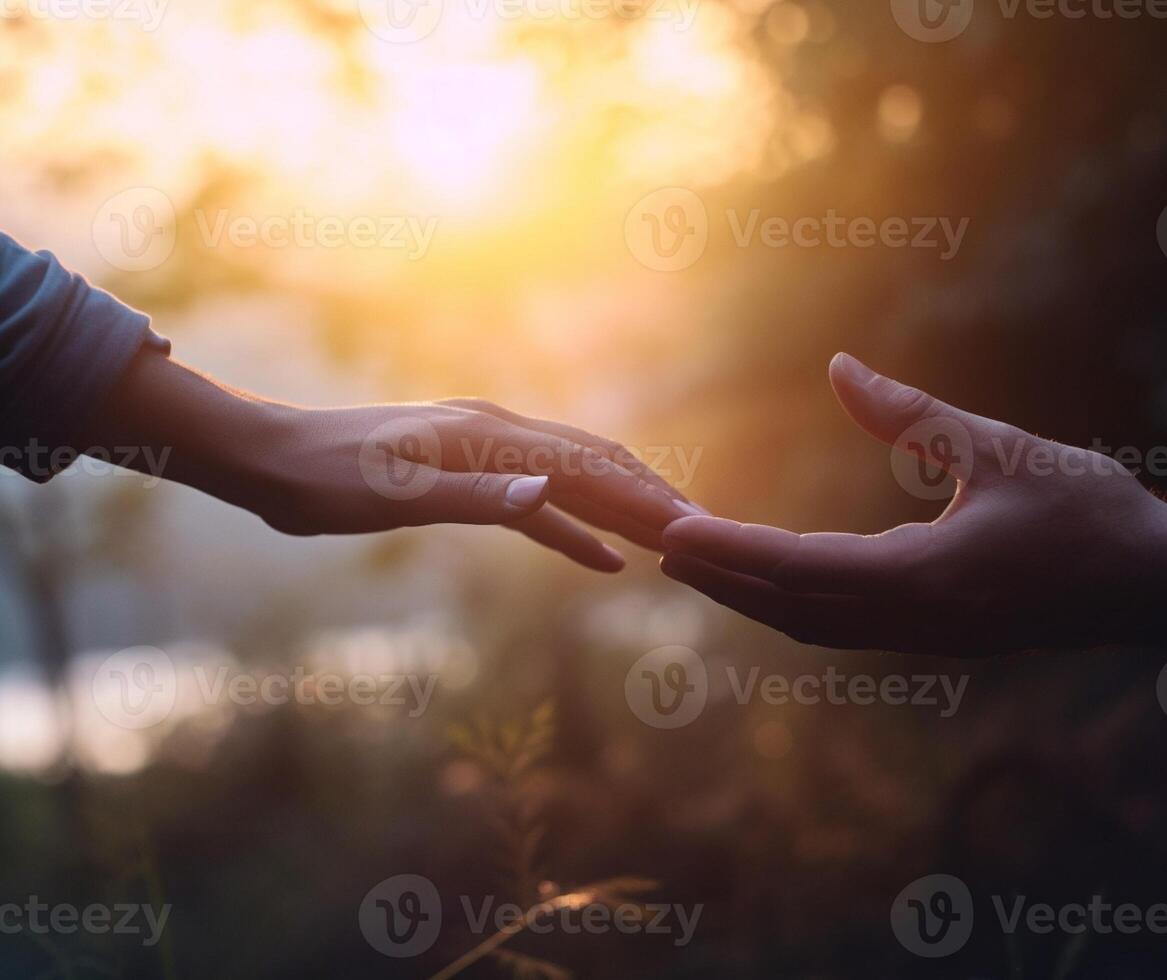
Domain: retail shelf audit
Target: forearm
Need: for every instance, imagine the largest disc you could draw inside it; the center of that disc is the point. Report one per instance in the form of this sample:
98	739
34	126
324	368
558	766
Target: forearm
193	429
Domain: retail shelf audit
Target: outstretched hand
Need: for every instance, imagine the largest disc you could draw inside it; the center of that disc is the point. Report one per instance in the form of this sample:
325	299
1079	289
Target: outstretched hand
308	471
1042	545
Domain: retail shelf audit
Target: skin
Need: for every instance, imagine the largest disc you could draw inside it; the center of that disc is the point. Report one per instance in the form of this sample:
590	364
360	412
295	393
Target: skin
335	471
1027	555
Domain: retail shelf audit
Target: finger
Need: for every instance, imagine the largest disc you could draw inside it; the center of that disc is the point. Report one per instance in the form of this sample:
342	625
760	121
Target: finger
609	520
841	622
470	498
828	563
904	417
473	441
752	549
608	448
552	529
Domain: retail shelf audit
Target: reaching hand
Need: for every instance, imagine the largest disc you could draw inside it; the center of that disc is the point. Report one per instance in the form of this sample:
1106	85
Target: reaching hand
1043	545
356	470
378	467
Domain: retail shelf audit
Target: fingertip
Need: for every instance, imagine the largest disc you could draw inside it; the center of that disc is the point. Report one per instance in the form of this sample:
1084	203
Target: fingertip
848	369
686	531
674	534
612	561
527	494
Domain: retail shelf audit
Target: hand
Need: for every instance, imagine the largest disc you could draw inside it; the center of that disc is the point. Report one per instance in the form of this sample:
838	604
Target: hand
1043	545
378	467
356	470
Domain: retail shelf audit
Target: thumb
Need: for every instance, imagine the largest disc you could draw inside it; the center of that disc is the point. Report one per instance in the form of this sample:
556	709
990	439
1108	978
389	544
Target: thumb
911	419
478	498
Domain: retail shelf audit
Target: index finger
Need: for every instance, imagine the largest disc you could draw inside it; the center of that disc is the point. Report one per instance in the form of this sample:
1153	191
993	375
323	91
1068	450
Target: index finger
475	441
609	448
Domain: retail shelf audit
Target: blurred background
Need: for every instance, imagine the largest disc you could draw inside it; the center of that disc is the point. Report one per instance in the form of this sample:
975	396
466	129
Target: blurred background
533	142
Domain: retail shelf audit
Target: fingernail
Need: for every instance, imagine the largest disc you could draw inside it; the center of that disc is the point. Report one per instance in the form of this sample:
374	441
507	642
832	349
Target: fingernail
690	509
523	492
853	368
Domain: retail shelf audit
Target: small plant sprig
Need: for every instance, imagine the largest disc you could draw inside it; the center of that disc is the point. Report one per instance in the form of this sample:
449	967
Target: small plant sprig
510	752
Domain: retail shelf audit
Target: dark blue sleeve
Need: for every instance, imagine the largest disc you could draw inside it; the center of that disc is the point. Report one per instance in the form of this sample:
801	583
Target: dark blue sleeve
63	345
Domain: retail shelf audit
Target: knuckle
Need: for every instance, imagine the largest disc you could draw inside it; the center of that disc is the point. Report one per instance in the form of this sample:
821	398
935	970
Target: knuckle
909	402
481	488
